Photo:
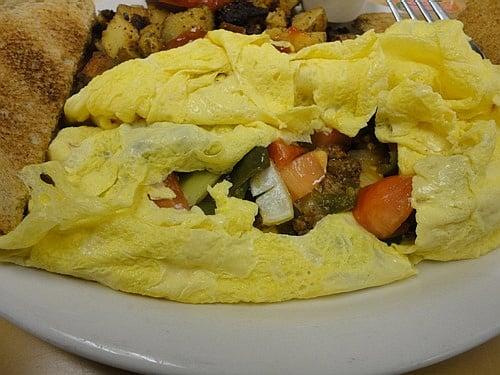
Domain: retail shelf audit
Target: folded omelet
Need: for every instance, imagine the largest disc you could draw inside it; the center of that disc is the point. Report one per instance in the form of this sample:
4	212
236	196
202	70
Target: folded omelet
205	105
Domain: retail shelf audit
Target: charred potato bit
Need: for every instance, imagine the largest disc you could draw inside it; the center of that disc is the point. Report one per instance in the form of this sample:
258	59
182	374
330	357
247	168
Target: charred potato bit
245	14
138	16
101	22
150	40
233	28
139	22
311	20
127	11
105	15
276	19
194	18
120	39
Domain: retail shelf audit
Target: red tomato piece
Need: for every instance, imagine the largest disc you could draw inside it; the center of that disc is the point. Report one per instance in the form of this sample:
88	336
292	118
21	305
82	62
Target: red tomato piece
282	153
186	37
382	207
180	201
304	173
212	4
292	30
334	137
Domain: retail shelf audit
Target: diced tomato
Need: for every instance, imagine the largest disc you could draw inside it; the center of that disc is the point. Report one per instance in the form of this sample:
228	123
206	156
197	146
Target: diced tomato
180	201
304	173
212	4
292	30
282	153
382	207
334	137
186	37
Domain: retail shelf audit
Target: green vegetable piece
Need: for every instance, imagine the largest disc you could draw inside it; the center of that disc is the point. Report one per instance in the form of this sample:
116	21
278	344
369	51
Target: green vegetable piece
241	191
194	185
252	163
339	203
207	205
391	167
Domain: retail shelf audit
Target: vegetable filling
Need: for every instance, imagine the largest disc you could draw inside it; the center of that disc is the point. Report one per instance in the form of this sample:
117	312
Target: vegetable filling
296	185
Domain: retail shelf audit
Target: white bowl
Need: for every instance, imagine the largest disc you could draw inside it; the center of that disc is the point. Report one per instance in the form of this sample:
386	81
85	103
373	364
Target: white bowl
338	10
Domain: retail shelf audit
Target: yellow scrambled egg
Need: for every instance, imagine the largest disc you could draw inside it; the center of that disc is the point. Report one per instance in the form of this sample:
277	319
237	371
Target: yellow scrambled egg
205	105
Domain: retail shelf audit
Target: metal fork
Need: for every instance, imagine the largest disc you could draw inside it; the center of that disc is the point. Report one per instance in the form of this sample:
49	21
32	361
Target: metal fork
436	7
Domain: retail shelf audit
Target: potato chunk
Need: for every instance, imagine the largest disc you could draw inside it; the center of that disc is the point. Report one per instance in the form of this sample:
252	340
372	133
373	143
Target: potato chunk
311	20
194	18
287	5
276	19
120	39
157	15
150	40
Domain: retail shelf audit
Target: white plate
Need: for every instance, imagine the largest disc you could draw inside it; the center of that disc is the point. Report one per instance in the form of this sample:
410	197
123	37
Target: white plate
447	309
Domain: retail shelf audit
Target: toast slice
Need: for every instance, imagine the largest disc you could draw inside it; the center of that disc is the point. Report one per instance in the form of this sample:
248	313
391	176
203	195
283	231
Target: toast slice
42	43
481	19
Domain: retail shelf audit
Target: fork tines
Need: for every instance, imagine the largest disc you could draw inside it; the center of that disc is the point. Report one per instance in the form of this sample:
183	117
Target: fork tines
437	9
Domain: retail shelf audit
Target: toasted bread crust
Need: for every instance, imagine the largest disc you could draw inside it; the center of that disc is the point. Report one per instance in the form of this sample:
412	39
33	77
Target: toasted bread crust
41	45
481	19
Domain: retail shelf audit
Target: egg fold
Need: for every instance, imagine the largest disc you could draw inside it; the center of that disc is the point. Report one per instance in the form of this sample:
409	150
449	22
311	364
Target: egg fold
203	106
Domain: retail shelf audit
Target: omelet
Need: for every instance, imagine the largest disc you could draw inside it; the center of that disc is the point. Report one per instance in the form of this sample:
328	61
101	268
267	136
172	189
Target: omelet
230	79
204	106
96	221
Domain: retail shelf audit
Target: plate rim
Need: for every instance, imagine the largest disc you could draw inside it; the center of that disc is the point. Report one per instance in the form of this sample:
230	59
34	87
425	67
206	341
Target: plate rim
120	357
124	362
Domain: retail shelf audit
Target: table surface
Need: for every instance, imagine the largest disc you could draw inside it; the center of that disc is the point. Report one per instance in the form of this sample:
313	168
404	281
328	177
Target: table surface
22	353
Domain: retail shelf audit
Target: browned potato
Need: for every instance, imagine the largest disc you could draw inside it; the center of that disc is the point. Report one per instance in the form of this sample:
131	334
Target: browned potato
137	15
175	24
299	39
157	15
150	40
276	19
311	20
263	3
120	39
278	34
287	5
